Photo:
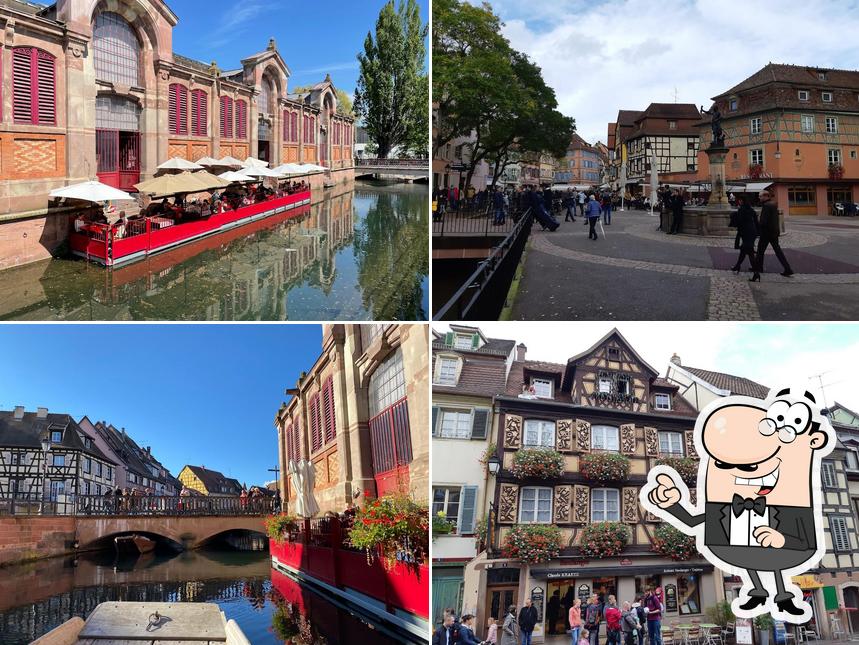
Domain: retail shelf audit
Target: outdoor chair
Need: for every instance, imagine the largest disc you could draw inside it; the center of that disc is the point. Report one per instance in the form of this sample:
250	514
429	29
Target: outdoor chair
729	631
806	634
714	636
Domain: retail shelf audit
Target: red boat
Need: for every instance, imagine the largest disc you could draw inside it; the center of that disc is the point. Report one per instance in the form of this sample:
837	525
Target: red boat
397	596
100	243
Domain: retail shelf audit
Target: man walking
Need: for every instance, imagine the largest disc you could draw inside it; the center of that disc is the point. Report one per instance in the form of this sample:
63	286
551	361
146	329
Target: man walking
582	198
593	214
653	603
527	621
770	232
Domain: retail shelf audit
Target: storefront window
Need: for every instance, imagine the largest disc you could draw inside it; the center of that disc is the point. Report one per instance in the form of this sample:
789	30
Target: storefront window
837	195
605	587
801	195
689	600
644	583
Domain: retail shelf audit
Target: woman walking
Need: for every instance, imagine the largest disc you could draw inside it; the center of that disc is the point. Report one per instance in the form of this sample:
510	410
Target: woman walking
510	628
575	619
466	631
747	231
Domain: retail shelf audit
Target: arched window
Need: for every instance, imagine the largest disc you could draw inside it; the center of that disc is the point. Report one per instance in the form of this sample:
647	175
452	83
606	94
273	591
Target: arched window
116	50
226	117
178	109
199	113
34	91
241	120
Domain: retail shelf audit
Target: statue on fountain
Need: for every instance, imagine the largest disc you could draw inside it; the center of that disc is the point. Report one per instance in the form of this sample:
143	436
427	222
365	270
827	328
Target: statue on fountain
716	126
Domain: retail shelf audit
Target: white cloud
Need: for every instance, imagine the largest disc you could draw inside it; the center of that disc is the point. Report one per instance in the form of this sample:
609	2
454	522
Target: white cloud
772	354
626	54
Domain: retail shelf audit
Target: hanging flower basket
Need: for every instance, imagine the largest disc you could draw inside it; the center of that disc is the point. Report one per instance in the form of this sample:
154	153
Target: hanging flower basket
604	539
532	543
393	528
604	466
542	463
277	525
836	171
756	170
686	467
672	543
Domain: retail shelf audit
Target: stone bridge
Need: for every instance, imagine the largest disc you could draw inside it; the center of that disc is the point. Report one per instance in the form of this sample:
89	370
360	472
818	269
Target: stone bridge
415	168
189	531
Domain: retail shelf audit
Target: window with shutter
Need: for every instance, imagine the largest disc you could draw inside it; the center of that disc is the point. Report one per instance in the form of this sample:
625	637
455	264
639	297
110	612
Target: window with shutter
840	536
177	114
294	127
241	119
296	439
226	117
479	423
435	430
328	408
199	113
828	471
465	525
315	424
33	86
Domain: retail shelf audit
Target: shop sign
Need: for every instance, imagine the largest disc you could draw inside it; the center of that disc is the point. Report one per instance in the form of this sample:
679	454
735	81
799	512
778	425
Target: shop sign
806	582
670	597
563	573
744	631
625	562
669	570
584	593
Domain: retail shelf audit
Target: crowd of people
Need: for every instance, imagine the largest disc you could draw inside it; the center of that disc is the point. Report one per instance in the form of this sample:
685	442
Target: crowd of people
627	623
130	501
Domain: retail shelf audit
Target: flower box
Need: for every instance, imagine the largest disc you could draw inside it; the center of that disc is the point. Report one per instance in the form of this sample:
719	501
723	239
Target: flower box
604	539
604	467
542	463
686	467
669	541
532	543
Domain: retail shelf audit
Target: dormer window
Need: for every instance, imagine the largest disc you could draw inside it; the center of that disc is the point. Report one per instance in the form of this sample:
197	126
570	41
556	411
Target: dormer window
463	341
613	354
662	401
56	436
821	76
542	387
446	370
732	105
803	95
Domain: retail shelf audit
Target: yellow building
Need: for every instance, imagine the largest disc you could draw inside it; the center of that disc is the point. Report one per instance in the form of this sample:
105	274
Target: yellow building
208	482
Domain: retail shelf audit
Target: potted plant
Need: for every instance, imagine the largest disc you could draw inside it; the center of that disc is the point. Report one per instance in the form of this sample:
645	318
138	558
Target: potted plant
532	543
441	525
763	625
277	525
604	466
542	463
673	543
393	528
755	170
686	467
604	539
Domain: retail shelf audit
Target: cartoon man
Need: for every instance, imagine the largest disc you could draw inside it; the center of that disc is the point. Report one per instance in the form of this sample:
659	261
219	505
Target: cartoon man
758	510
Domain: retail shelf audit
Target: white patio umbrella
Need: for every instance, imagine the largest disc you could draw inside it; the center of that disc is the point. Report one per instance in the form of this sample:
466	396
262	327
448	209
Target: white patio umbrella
229	162
178	163
311	508
654	178
291	169
253	162
232	175
261	172
208	161
313	167
91	191
296	476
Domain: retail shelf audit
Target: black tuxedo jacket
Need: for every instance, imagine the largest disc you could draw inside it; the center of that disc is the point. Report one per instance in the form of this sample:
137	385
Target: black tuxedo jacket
796	523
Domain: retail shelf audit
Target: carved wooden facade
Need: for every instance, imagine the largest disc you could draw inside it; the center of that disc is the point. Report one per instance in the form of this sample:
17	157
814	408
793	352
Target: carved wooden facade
612	377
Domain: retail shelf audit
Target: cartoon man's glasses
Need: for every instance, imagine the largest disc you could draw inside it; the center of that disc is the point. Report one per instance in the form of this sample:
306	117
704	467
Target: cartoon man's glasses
788	419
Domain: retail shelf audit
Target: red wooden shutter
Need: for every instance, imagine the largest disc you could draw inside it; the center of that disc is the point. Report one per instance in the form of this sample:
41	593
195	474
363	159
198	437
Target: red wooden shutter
288	433
241	120
328	408
199	113
182	107
226	117
22	85
285	126
171	108
46	89
315	424
295	127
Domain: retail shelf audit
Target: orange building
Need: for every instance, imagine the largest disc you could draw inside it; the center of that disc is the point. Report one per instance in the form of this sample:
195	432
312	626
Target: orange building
794	126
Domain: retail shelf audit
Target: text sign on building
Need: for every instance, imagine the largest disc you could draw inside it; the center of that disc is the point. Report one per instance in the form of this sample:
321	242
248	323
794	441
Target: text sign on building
670	597
584	593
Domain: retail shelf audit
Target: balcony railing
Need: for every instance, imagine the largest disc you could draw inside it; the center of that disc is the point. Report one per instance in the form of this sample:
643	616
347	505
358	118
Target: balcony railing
87	505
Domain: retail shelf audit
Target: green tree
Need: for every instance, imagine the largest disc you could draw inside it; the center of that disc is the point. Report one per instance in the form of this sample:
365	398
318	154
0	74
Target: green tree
390	97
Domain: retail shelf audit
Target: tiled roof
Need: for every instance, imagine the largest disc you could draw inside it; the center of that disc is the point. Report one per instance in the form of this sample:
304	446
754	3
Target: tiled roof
517	376
627	117
30	8
662	382
670	111
577	143
215	481
480	376
734	384
497	346
797	74
26	432
192	63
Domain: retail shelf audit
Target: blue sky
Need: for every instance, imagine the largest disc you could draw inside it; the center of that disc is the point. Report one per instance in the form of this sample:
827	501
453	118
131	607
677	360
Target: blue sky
774	354
313	37
198	394
603	56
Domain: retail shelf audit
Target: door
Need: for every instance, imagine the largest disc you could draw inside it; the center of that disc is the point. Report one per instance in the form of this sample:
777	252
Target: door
498	599
117	141
851	601
446	592
264	149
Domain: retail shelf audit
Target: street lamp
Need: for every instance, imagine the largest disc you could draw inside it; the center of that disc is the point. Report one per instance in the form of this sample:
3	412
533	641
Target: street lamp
493	465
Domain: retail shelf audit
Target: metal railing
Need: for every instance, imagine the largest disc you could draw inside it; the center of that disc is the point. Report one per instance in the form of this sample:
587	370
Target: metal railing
165	505
472	221
482	295
401	163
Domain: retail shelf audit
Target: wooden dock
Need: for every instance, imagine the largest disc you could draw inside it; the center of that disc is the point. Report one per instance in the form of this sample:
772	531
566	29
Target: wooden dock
152	623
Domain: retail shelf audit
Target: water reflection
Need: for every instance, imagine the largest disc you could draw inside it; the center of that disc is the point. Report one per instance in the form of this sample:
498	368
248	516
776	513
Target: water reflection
358	254
269	606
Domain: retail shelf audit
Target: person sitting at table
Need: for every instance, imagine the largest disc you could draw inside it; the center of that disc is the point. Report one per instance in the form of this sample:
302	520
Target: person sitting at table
119	226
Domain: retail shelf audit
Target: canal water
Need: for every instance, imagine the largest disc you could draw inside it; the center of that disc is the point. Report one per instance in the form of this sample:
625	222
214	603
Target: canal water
357	254
269	606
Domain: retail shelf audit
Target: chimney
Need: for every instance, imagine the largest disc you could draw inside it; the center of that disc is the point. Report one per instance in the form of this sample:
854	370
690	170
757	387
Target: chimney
149	450
41	413
676	359
520	351
19	412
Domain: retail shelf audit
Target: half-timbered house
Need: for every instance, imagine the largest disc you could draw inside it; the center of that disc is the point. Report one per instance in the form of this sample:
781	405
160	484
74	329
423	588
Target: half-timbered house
611	418
72	465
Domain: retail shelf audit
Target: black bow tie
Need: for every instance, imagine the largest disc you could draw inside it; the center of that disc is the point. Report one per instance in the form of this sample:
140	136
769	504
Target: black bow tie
740	504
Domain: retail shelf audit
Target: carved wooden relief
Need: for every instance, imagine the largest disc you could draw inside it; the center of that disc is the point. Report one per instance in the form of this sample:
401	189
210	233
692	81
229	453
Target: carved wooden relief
564	435
630	505
690	444
627	439
583	436
512	431
563	504
581	504
651	442
693	496
650	517
508	502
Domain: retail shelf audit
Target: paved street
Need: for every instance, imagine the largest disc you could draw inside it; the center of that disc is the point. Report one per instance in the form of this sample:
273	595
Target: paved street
635	272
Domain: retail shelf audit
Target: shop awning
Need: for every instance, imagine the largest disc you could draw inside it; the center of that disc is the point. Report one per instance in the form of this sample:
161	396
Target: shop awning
757	186
641	570
806	582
